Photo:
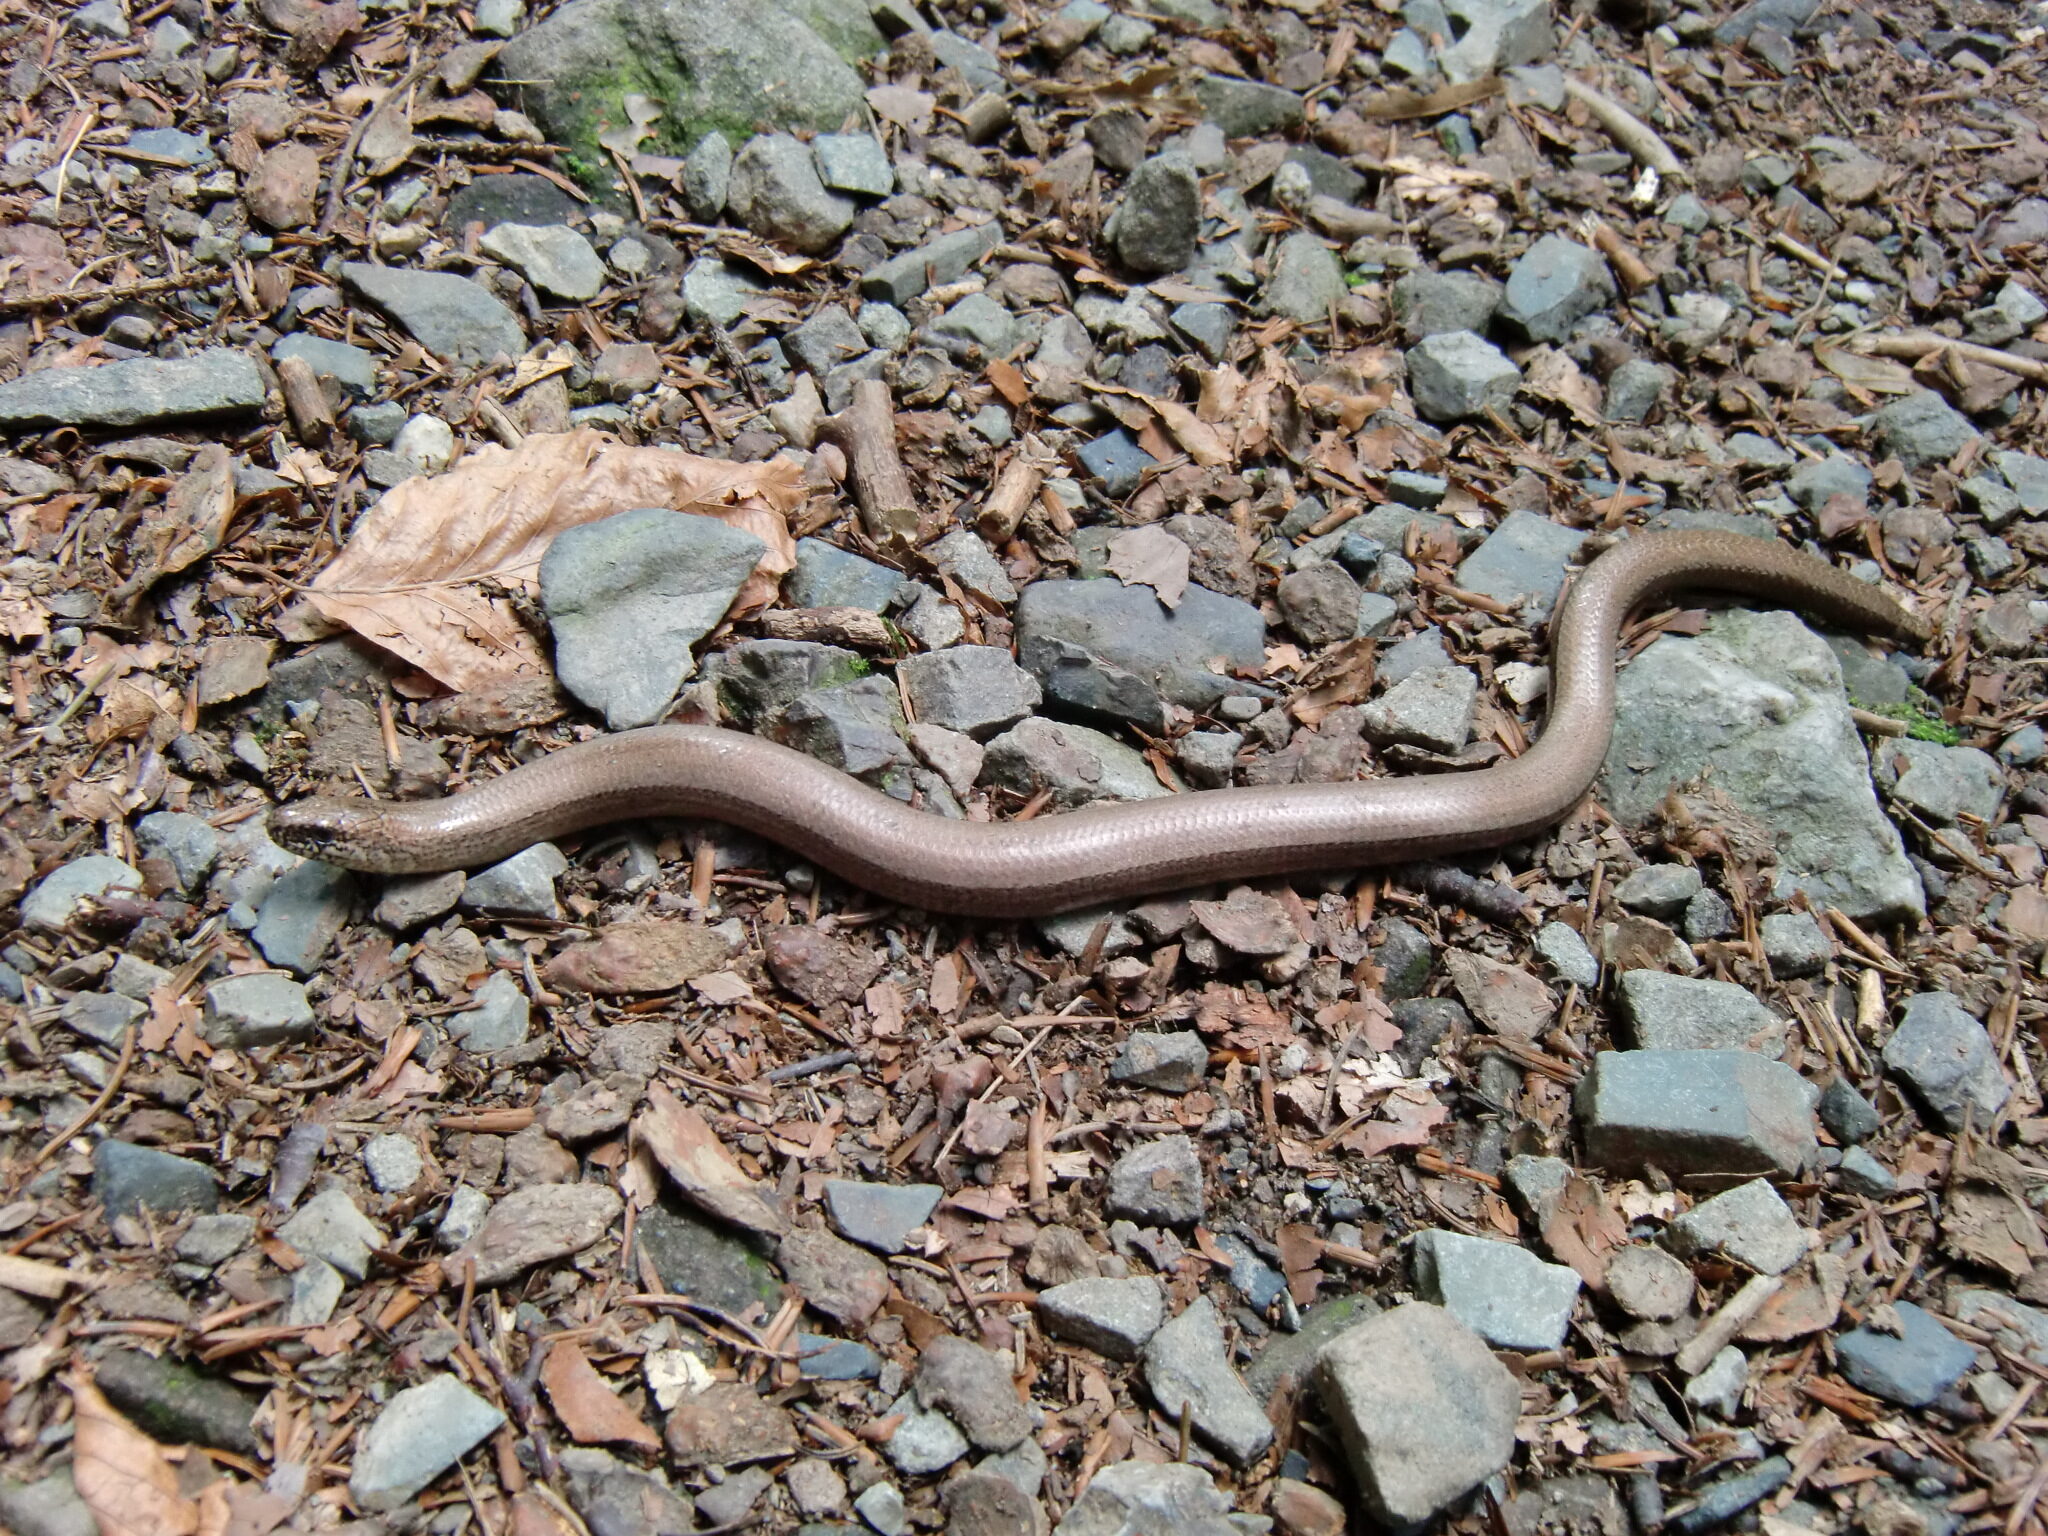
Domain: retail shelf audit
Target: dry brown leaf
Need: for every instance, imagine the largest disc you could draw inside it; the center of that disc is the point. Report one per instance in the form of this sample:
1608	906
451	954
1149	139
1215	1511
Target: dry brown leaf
1149	556
190	525
1873	375
691	1154
1584	1230
1552	375
587	1407
423	573
1204	444
122	1475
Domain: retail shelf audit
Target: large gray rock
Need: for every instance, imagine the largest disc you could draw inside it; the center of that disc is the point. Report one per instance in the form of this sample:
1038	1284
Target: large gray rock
628	595
1750	1224
708	65
1522	561
1140	1498
217	382
1455	374
1755	705
1109	651
1154	227
552	257
1696	1013
975	689
451	316
1922	428
1556	282
1946	1057
1696	1112
1912	1367
302	914
1112	1317
1425	1412
127	1179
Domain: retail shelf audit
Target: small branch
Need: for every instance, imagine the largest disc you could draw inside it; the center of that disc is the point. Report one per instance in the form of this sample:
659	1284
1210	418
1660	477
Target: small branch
1914	345
1626	129
345	164
92	1111
1015	490
91	301
866	432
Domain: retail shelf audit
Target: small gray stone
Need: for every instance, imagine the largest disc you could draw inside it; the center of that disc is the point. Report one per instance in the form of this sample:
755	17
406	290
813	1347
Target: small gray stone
984	321
1208	326
1718	1389
944	260
173	1403
1431	710
1522	561
880	1216
972	1387
1565	952
1172	1063
1721	1112
1494	35
189	844
1848	1115
1454	375
1795	946
552	257
822	1358
716	291
1943	783
459	1225
774	190
1321	604
1187	1370
1945	1056
1433	303
1556	282
1117	461
857	728
418	1435
127	1179
353	368
1133	1497
1425	1412
1306	280
212	1240
1501	1291
1155	225
498	1019
317	1289
1921	429
1707	916
1077	764
1207	759
329	1227
881	1505
448	314
1636	388
1911	1368
1695	1013
974	689
1648	1283
1115	1318
853	162
393	1163
102	1016
1659	890
302	914
1862	1174
924	1443
963	556
410	900
1818	481
521	886
823	342
59	895
628	596
707	173
256	1010
1243	108
1158	1183
1749	1224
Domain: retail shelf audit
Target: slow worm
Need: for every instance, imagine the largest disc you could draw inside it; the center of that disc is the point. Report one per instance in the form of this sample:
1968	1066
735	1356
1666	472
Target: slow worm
1102	852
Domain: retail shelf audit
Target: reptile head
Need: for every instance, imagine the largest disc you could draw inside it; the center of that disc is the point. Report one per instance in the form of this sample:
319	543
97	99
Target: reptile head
343	832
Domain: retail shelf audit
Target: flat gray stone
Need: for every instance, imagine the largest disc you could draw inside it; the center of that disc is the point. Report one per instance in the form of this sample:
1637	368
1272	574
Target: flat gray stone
1795	945
331	1228
1555	283
1306	280
925	1442
353	368
854	162
1154	227
189	844
1174	1062
1523	561
304	911
212	1240
1942	783
410	900
1565	952
1755	703
1911	1368
521	886
1659	890
1694	1013
880	1216
219	381
393	1163
974	689
248	1012
1493	35
1921	429
127	1179
1945	1056
774	190
553	257
1187	1370
1750	1225
1131	1498
103	1016
498	1018
59	895
1726	1112
938	262
1077	764
1431	710
972	1387
418	1435
1430	303
448	314
1243	108
857	728
1501	1291
1158	1183
1455	375
1646	1282
628	596
1425	1412
823	342
1114	1318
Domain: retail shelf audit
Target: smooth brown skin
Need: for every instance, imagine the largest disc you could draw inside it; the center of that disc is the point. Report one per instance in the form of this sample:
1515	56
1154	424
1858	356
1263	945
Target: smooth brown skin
1102	852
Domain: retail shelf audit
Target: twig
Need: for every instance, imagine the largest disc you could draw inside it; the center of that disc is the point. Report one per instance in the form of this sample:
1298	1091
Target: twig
345	163
866	432
520	1397
93	300
831	1061
1919	344
92	1111
1626	129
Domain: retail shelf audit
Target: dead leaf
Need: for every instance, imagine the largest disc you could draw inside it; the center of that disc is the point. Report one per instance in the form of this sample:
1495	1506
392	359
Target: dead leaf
1204	444
415	577
1873	375
1988	1226
1395	106
1584	1230
1149	556
122	1474
387	141
1551	375
691	1154
654	954
1367	1014
588	1408
1407	1117
190	525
